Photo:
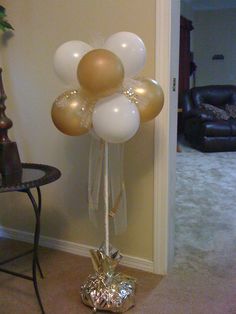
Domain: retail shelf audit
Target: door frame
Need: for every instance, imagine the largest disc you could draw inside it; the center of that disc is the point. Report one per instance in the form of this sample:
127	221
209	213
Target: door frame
165	133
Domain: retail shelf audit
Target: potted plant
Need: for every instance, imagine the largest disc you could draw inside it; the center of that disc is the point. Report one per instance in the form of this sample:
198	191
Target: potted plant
4	24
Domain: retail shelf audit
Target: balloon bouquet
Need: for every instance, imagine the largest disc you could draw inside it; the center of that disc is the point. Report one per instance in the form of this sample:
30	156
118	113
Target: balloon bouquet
105	96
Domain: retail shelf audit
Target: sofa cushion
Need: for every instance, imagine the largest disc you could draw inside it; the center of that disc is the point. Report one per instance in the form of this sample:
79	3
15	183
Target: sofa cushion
216	144
232	123
231	109
201	128
201	114
219	95
218	113
216	128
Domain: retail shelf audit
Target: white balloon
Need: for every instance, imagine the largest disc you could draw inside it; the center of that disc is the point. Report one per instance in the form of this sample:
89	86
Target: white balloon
115	119
130	49
66	60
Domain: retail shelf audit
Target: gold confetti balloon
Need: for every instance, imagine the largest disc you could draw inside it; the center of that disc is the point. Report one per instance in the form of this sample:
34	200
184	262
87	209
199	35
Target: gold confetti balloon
148	96
72	113
100	72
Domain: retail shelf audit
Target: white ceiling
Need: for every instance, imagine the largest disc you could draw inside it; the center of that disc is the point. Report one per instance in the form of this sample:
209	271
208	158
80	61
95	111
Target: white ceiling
211	4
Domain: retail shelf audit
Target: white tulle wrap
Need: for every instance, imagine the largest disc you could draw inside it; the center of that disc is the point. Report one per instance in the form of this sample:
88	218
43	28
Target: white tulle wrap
117	193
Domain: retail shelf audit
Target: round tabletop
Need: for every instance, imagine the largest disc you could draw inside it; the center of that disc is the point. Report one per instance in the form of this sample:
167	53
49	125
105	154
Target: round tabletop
32	175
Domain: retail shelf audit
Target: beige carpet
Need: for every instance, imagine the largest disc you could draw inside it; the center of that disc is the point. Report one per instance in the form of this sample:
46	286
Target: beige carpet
64	274
205	221
178	293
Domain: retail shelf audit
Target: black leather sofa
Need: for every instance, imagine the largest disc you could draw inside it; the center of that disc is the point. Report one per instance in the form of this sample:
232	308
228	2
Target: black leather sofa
202	129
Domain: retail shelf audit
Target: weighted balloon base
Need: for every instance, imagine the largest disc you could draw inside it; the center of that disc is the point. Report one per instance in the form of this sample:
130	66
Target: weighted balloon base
108	290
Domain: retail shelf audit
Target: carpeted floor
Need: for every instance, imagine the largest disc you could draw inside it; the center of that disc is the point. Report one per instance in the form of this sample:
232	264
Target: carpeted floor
206	211
203	280
205	226
64	274
181	292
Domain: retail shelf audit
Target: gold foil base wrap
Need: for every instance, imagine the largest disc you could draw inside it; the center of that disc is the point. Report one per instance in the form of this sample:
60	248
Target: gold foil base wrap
108	290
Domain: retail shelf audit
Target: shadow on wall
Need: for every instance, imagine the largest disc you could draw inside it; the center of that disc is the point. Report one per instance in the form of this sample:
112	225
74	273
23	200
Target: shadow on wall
65	202
75	176
137	168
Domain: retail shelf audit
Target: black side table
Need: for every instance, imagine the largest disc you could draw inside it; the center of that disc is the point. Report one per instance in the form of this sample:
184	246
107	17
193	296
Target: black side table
32	176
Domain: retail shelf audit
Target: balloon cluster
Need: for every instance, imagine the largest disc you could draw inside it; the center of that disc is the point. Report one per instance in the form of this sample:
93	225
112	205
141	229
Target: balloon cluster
104	94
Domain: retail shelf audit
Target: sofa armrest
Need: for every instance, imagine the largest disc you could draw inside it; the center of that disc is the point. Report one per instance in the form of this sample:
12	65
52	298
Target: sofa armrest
201	114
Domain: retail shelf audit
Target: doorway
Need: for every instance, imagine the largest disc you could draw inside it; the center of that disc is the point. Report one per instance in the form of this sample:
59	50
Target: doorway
205	213
167	60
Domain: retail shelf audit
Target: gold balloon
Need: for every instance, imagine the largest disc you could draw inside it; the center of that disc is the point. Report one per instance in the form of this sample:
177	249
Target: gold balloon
148	96
100	72
72	113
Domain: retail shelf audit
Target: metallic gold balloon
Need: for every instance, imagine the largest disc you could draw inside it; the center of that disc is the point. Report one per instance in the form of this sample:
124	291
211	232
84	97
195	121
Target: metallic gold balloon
148	96
72	113
100	72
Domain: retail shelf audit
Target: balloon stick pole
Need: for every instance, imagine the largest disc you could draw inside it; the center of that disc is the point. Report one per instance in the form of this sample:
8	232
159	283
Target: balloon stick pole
106	199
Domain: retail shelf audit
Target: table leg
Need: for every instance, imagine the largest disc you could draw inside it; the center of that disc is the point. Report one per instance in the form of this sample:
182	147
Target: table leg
39	209
35	263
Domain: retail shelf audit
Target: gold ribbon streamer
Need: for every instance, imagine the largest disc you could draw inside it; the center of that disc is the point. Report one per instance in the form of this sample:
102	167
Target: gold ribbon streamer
114	209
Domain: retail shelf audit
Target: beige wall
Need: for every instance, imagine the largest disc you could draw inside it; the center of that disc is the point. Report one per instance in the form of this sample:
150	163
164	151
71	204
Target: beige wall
186	10
31	86
215	32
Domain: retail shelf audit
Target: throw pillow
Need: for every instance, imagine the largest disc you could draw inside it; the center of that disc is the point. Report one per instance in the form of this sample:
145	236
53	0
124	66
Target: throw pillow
231	109
217	112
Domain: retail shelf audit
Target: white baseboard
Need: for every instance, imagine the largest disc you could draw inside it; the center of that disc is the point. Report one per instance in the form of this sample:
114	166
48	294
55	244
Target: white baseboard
72	247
